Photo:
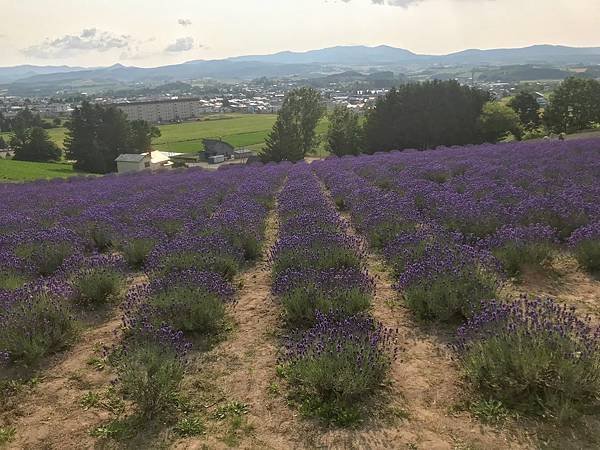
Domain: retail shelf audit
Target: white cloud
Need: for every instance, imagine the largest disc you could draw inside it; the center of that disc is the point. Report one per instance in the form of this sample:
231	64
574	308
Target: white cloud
184	44
90	39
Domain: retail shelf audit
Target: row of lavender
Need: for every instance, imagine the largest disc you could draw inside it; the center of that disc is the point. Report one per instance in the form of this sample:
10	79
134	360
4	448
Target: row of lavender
190	283
67	247
439	218
335	356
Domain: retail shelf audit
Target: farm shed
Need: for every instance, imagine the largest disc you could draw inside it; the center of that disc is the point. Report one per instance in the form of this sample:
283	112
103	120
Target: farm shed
216	147
131	162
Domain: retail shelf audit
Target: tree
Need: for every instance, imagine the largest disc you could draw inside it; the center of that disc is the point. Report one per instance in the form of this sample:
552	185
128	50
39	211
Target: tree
574	105
56	122
142	134
526	106
294	134
34	144
344	133
2	143
425	115
497	121
97	135
26	119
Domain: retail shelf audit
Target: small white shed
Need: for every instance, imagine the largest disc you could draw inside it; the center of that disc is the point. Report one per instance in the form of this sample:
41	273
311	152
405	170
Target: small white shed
131	162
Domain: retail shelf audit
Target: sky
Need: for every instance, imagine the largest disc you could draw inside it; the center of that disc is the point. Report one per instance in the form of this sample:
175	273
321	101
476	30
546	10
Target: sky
151	33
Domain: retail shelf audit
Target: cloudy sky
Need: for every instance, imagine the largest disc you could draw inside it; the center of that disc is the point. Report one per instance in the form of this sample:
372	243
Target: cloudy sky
158	32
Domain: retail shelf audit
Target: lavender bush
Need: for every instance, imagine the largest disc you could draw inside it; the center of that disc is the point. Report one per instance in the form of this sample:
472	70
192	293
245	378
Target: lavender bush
534	356
34	323
335	366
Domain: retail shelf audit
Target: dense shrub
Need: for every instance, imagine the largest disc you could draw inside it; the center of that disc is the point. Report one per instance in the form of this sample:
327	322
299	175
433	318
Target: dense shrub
98	285
135	251
534	356
189	309
45	257
447	283
35	325
305	293
336	366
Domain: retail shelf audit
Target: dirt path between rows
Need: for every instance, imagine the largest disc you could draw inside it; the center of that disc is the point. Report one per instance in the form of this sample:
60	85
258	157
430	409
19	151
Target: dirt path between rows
242	369
425	386
51	415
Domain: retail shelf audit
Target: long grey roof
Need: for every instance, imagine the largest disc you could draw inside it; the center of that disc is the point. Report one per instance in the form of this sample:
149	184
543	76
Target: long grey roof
131	157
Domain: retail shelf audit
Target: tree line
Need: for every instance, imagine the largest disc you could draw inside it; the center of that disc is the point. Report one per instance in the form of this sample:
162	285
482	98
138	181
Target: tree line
96	136
428	115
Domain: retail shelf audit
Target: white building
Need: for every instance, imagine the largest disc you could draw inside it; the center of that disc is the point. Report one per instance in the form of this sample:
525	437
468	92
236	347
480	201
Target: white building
131	162
161	111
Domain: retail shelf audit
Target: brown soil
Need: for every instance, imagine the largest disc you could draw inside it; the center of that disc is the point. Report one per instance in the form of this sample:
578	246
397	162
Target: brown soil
50	414
564	281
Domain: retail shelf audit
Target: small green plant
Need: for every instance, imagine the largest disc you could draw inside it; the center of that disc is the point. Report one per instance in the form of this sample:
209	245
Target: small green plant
189	426
136	251
115	429
90	400
7	435
98	364
335	257
231	409
36	327
225	265
99	285
489	411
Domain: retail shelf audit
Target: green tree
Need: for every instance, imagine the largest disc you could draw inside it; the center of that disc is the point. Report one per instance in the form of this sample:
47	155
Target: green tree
425	115
526	106
497	121
26	119
56	122
574	105
34	144
344	133
97	135
2	143
294	133
142	134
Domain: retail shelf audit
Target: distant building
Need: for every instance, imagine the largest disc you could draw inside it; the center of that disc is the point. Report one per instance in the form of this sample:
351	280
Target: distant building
242	153
131	162
216	147
161	111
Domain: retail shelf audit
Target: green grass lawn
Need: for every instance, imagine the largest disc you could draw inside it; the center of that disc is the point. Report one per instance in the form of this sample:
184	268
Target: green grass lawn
240	130
27	171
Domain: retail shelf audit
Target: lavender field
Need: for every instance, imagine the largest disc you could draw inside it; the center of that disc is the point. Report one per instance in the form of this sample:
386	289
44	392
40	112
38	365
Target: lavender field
438	299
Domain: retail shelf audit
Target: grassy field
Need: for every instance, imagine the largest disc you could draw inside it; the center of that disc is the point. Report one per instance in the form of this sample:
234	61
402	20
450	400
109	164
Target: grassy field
27	171
240	130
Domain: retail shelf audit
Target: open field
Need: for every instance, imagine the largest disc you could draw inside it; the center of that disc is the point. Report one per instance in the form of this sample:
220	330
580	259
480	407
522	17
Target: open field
57	135
366	302
28	171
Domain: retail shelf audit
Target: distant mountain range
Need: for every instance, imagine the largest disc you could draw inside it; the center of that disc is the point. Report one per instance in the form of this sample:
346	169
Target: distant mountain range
284	64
